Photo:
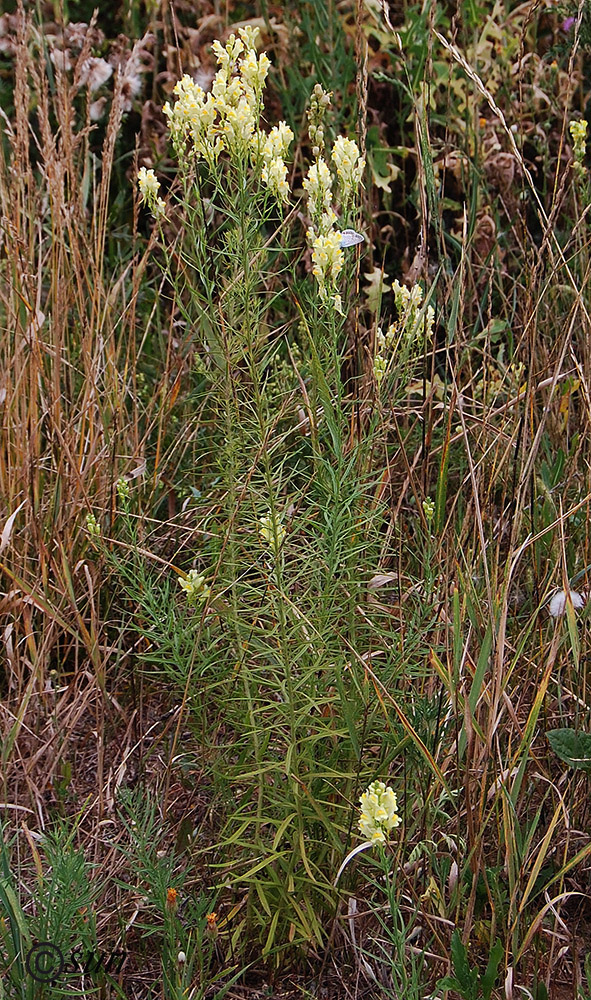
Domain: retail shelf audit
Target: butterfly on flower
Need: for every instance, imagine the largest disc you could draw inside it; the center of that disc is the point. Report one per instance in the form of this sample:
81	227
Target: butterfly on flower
349	238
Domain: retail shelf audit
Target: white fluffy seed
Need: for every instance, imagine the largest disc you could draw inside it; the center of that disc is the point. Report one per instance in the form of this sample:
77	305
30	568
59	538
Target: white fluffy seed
557	604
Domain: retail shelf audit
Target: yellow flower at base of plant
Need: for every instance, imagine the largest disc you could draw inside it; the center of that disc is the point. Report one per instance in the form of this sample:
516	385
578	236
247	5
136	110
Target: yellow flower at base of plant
379	813
194	586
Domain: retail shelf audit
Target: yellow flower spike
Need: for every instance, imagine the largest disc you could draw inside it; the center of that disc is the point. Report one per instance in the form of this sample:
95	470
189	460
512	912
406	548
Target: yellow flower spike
379	812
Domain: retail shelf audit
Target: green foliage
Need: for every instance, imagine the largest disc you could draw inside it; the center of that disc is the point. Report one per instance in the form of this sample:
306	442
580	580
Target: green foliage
571	746
64	897
468	981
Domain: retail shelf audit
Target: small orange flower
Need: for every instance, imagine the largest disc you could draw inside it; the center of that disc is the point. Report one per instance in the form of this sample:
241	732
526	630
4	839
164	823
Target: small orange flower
171	900
212	924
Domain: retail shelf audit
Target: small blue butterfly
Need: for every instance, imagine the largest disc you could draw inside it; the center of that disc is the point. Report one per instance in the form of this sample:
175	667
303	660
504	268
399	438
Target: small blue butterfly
349	238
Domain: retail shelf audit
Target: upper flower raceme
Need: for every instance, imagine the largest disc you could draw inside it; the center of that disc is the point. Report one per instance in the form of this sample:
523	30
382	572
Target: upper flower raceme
226	119
578	130
254	71
318	187
273	148
379	812
149	186
277	142
349	166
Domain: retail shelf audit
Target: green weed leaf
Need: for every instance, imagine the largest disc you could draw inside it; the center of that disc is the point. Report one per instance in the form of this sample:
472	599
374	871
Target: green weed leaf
572	746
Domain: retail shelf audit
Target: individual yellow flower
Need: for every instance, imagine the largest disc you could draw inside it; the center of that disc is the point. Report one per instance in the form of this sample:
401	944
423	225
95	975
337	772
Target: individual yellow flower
249	36
194	586
379	812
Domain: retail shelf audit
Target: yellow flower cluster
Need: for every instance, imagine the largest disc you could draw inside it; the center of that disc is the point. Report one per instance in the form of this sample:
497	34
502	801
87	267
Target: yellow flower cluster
318	187
123	489
324	239
327	260
274	175
379	812
277	142
412	329
194	586
349	166
274	149
429	509
578	131
149	186
225	119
